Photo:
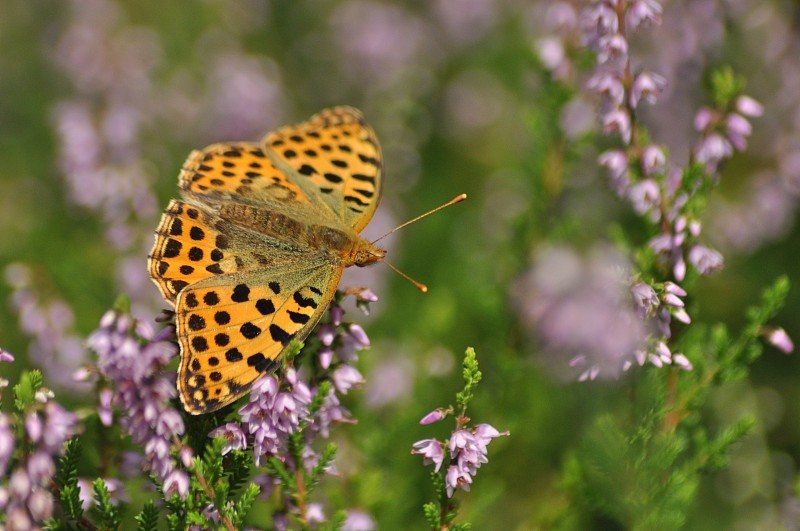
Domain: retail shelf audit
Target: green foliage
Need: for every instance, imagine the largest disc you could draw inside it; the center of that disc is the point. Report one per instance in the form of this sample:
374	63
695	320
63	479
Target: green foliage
642	467
471	378
147	520
66	479
725	85
108	515
25	390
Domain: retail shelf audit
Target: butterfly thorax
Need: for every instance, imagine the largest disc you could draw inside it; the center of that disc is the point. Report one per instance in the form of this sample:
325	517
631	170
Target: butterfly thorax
339	245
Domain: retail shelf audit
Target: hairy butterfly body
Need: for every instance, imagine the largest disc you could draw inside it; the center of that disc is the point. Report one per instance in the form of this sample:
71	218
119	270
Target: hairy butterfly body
252	255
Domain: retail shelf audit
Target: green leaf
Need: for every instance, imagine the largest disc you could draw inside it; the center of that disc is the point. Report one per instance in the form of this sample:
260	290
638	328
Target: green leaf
244	503
471	378
328	455
431	512
25	390
109	514
67	479
147	520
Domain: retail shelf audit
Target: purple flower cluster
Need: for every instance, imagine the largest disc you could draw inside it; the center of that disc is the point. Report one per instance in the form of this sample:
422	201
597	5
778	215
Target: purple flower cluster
279	408
131	355
24	490
55	347
640	173
465	451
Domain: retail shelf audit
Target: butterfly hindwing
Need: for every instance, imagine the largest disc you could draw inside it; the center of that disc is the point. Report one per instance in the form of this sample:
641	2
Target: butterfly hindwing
335	157
232	329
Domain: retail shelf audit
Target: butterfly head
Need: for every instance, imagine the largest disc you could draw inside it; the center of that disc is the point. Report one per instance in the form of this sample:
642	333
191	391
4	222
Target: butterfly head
366	253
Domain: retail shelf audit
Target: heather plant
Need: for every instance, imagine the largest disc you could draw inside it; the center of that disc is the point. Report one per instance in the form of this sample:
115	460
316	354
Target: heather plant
623	267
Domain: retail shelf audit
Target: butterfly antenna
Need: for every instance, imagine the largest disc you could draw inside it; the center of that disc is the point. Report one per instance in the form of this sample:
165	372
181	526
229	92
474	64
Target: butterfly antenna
419	285
453	201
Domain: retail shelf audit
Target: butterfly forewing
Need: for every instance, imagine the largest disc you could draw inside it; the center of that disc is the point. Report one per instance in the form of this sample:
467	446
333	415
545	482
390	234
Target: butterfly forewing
335	157
233	330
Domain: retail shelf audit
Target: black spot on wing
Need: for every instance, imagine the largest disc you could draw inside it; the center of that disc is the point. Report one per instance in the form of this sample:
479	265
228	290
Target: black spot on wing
303	302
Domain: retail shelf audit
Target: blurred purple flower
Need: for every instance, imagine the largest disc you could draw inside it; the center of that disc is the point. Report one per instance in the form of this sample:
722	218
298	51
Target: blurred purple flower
55	346
777	337
643	12
705	260
580	308
647	86
645	299
358	521
6	442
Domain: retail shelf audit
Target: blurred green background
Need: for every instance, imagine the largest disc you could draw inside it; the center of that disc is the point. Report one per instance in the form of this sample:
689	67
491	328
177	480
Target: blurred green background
102	100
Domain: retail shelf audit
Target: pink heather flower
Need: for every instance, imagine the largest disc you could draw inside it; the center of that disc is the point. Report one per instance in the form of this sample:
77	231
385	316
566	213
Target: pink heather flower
104	410
713	149
600	19
703	119
673	300
738	124
615	161
431	450
682	361
738	129
645	299
235	437
6	356
608	84
551	52
358	521
647	86
705	260
6	443
644	196
681	315
314	513
612	48
642	13
33	426
671	287
457	478
59	426
780	340
653	159
618	121
345	377
40	504
749	107
41	468
434	416
177	482
663	352
655	360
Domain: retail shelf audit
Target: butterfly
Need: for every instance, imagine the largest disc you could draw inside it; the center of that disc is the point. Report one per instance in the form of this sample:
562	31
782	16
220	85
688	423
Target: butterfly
252	255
